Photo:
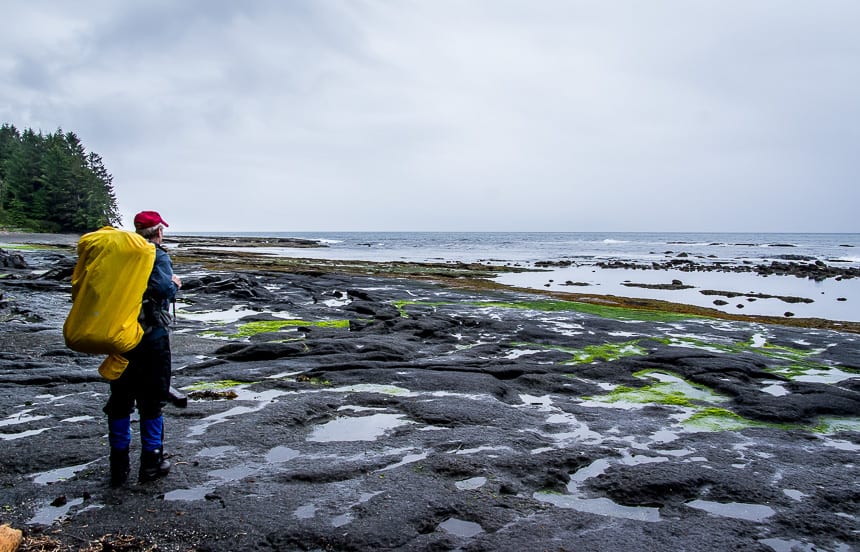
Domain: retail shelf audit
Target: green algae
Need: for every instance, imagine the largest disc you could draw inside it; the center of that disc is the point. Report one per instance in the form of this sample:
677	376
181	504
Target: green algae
551	305
269	326
813	371
782	352
219	385
647	395
315	381
604	311
669	389
36	247
721	419
607	352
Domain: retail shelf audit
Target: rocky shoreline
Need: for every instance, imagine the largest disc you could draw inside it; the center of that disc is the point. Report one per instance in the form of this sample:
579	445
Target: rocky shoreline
343	406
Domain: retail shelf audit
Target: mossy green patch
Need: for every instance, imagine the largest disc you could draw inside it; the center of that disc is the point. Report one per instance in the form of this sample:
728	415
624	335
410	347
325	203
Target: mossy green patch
670	389
604	311
607	352
646	395
35	247
313	380
269	326
782	352
720	419
217	385
550	305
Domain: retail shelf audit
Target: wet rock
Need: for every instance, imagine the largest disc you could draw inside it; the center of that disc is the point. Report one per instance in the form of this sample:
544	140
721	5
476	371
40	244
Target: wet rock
263	351
62	269
672	286
12	260
236	286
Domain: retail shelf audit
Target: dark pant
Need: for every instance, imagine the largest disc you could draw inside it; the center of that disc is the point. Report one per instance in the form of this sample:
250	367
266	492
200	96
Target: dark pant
145	382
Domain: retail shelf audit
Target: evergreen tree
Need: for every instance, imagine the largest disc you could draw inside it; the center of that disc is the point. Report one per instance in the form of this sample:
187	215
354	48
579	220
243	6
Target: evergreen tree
50	183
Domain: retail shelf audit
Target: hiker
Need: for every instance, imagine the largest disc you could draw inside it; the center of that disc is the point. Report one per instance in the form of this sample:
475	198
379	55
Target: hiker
146	380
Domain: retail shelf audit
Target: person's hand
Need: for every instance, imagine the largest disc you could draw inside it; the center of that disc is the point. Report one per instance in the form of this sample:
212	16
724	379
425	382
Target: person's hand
177	281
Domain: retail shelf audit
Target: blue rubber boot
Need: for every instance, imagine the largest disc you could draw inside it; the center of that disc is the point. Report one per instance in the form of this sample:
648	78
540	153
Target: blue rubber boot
119	437
152	462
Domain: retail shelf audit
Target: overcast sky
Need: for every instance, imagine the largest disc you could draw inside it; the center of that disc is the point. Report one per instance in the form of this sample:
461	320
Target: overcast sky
485	115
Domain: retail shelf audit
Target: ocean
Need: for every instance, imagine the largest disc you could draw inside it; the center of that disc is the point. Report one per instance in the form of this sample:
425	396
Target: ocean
834	299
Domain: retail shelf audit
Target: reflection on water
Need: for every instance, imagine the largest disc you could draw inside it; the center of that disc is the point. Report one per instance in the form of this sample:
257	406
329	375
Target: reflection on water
461	528
736	510
825	295
600	506
363	428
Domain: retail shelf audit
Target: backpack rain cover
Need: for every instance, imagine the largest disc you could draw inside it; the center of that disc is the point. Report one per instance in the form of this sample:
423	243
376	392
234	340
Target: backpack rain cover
108	282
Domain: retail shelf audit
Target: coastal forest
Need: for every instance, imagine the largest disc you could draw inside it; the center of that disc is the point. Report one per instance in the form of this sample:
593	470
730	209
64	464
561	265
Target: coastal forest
50	183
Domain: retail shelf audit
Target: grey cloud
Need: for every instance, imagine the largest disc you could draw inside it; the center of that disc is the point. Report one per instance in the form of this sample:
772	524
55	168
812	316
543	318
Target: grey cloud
465	115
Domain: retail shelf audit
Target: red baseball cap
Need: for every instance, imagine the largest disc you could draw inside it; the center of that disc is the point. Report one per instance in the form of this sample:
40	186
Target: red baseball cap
148	219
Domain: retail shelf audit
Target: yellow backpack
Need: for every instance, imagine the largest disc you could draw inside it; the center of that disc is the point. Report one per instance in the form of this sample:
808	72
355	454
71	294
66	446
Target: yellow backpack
108	282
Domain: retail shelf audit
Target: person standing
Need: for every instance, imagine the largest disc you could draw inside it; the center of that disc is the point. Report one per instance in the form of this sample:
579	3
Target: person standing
146	380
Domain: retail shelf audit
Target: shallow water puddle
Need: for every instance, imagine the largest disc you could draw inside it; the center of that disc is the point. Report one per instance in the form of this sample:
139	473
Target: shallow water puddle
580	431
813	373
486	448
363	428
23	434
189	495
791	545
221	476
600	506
262	399
308	511
461	528
346	517
794	494
471	484
736	510
59	474
76	419
775	389
408	459
215	452
22	417
281	454
233	314
373	388
48	514
841	444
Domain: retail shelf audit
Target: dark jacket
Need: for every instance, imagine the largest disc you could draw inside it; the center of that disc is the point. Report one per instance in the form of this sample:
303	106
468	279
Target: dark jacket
160	292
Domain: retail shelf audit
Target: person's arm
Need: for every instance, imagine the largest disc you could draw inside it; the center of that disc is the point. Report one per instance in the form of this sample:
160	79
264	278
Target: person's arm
161	281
